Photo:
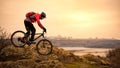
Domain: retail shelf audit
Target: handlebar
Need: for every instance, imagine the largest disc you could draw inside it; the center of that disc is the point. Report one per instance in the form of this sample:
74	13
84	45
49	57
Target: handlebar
43	33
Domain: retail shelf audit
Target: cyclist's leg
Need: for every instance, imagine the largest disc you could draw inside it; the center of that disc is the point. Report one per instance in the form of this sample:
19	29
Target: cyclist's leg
33	30
30	28
27	26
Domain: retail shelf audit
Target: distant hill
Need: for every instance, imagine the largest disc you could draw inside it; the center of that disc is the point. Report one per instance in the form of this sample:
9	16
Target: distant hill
93	43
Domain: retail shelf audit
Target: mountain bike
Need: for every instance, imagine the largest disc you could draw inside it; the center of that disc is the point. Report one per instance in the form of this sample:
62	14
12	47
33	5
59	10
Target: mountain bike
43	46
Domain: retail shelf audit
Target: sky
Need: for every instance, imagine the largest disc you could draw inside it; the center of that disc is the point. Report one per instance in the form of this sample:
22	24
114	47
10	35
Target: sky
67	18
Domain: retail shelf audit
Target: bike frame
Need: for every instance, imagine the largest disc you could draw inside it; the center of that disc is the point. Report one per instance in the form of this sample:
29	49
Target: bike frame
40	34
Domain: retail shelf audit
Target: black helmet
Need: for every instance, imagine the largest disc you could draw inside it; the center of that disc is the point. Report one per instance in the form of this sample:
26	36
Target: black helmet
43	14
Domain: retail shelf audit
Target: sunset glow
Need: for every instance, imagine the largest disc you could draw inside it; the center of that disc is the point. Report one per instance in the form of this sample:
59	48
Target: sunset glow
68	18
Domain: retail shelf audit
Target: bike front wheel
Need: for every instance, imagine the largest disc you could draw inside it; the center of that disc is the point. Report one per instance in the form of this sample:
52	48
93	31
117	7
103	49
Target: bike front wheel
16	39
44	47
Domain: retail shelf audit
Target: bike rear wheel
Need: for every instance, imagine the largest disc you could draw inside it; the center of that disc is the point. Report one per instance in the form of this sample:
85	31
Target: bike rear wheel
16	39
44	47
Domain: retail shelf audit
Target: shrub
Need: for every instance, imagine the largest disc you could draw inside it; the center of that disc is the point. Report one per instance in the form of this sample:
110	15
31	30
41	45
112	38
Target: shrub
4	38
114	57
91	59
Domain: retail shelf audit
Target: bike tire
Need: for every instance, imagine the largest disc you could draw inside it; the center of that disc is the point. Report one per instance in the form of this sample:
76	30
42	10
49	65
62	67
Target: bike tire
14	39
47	44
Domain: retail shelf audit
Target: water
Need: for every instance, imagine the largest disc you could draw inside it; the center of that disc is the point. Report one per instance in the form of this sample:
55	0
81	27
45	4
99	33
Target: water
83	50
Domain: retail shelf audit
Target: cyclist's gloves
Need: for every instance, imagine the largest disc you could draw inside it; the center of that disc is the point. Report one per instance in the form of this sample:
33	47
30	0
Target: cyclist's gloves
44	29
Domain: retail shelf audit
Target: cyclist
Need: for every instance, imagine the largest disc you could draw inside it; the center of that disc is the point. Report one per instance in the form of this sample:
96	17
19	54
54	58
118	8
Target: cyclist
32	17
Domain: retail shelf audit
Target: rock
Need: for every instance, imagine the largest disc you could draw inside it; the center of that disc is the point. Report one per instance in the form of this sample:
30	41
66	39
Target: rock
12	53
12	57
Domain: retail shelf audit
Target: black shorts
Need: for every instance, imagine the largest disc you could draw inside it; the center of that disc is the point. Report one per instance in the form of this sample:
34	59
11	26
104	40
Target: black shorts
30	28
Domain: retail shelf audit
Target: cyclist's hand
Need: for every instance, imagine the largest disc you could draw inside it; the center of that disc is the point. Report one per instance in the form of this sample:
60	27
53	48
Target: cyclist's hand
44	29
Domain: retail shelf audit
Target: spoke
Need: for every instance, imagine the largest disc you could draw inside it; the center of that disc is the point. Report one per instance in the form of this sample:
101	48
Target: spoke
44	47
16	38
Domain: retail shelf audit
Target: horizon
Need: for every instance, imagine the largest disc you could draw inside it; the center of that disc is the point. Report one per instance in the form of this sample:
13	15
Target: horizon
69	37
76	19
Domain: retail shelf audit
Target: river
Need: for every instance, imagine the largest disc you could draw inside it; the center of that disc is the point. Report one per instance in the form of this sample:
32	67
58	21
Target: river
83	50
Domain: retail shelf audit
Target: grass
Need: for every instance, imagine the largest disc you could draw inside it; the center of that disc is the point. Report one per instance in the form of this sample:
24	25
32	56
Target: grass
83	65
78	65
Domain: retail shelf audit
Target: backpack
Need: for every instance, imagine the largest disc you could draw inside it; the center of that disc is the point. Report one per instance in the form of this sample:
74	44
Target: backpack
30	14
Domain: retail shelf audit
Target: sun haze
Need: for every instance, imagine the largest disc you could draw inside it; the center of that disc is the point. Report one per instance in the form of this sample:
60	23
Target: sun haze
68	18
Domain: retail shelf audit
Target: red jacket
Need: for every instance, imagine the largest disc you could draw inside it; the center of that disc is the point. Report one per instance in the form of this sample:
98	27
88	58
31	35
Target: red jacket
35	18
